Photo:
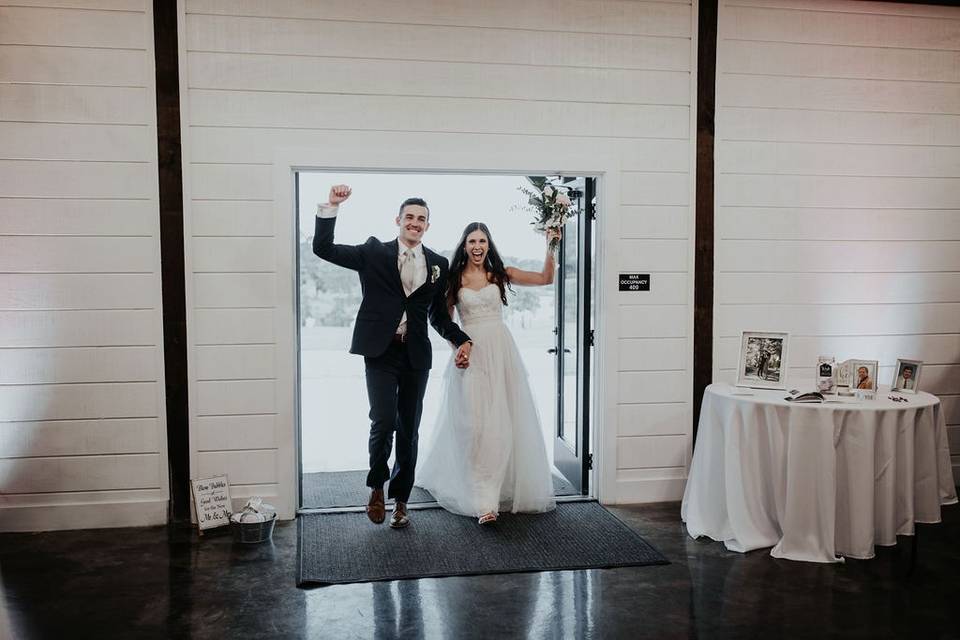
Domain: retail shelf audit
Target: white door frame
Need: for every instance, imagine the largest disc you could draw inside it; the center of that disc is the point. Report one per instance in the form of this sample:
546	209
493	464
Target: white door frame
519	155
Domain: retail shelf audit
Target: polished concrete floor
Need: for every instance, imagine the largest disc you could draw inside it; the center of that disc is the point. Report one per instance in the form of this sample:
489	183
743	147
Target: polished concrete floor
160	583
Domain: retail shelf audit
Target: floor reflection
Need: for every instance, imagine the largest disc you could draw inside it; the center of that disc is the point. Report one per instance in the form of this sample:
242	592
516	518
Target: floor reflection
532	605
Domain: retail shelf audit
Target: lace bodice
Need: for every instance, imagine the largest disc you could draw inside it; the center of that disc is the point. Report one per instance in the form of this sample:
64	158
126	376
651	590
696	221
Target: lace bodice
482	305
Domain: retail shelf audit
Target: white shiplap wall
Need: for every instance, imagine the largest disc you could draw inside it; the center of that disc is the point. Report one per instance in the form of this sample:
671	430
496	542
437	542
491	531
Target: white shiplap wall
838	185
441	75
82	426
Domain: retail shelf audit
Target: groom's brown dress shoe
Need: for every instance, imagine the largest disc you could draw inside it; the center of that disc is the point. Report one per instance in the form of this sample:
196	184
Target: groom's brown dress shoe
400	519
376	510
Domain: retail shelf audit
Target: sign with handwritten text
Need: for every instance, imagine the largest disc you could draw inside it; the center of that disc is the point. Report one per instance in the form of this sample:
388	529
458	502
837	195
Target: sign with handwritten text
211	498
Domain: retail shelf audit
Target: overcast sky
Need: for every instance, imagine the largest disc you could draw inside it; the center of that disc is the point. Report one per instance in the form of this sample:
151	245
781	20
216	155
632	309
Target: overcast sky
454	201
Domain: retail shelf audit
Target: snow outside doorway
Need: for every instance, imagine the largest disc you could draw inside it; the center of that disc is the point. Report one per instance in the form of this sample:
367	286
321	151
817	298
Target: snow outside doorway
333	400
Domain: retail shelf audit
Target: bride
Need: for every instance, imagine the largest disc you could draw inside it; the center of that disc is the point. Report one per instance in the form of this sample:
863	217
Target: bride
487	452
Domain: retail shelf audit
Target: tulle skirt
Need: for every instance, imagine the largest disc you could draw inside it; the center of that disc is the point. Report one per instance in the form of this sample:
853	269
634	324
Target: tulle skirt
487	451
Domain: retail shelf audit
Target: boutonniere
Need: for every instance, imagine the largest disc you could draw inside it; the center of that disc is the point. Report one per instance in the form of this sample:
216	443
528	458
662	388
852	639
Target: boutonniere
434	273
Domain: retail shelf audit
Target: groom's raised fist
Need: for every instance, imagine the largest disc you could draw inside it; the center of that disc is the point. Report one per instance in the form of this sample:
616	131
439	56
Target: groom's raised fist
339	193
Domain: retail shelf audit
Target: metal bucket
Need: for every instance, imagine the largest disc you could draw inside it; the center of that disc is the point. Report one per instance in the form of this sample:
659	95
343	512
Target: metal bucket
253	532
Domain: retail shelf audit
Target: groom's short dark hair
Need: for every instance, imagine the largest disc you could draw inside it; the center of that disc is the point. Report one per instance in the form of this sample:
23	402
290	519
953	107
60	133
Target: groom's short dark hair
420	202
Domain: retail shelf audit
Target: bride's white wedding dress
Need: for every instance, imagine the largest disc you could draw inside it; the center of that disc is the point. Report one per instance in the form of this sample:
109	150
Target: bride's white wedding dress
487	452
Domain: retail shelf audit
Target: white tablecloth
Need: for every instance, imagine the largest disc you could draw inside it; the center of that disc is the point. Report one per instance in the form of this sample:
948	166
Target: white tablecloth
815	481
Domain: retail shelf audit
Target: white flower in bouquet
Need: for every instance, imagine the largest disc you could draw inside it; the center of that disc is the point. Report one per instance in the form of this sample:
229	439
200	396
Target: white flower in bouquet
547	191
563	200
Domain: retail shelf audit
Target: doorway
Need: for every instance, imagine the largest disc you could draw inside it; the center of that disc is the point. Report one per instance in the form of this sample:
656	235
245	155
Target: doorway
548	323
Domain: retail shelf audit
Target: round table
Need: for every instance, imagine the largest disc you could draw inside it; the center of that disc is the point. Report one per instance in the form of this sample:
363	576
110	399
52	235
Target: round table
816	481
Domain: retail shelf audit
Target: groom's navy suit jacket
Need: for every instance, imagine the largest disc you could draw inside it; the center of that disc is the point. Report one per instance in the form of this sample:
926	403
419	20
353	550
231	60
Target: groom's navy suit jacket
384	299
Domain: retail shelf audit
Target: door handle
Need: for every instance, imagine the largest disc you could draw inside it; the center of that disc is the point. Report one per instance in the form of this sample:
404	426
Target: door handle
554	350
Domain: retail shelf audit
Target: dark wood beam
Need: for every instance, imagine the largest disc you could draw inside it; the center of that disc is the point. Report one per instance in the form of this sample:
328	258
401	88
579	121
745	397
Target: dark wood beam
171	256
704	241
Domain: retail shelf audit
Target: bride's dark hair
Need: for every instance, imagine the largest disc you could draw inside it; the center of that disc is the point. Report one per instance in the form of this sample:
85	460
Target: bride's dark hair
496	272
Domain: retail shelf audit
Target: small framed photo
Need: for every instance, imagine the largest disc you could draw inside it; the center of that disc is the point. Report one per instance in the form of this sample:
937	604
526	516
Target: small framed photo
906	376
863	375
827	375
763	359
844	378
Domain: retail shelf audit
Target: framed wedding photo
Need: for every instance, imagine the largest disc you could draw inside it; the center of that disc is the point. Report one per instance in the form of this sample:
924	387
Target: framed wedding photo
863	375
763	359
906	376
844	379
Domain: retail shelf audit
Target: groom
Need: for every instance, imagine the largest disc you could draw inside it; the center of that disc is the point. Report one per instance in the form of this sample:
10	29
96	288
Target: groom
403	283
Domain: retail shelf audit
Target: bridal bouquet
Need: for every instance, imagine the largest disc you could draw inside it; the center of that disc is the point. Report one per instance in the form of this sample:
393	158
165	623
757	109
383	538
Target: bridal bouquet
550	208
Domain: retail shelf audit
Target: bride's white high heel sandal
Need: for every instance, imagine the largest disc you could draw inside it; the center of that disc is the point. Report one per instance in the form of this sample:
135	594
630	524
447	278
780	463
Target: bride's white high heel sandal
487	518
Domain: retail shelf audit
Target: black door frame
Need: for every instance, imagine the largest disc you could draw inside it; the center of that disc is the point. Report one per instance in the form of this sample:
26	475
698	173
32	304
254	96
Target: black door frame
566	461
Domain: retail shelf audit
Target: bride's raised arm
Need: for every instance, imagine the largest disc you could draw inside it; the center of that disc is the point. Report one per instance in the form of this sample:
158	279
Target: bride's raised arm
534	278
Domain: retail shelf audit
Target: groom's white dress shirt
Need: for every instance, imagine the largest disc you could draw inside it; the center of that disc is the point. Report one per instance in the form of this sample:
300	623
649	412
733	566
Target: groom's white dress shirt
419	262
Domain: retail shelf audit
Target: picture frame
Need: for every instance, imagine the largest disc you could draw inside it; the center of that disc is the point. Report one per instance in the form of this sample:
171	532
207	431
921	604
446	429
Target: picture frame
906	384
763	359
859	382
844	378
826	375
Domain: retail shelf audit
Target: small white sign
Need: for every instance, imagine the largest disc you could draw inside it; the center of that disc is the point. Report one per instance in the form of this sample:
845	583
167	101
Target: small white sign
211	500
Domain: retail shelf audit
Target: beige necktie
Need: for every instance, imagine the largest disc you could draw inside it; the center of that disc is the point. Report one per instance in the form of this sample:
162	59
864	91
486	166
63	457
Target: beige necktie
408	268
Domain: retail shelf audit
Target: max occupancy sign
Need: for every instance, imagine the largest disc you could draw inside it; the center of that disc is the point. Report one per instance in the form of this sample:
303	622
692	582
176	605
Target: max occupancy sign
634	282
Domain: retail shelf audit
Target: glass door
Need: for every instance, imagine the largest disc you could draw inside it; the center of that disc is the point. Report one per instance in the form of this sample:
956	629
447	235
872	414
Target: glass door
574	339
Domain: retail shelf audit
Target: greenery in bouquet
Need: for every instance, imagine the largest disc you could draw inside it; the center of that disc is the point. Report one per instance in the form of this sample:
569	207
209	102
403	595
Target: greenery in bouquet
550	205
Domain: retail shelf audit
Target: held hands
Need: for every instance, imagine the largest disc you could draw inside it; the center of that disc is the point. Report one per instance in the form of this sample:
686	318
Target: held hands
462	358
339	193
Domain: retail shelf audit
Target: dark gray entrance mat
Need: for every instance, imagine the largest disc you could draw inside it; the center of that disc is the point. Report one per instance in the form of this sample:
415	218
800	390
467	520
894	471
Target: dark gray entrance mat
330	489
337	548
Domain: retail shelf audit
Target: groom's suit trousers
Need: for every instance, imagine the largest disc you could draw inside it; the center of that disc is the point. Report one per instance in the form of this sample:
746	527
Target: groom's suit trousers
395	390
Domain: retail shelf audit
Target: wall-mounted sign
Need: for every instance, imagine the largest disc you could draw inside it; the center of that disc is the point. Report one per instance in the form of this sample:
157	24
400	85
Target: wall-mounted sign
634	282
211	499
